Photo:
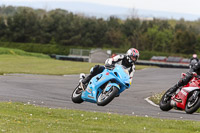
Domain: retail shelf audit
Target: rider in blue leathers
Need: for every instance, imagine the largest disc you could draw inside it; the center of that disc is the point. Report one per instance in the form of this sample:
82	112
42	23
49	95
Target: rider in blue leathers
128	61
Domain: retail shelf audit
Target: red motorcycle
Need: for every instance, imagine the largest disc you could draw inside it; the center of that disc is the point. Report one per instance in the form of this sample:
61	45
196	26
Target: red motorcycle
185	98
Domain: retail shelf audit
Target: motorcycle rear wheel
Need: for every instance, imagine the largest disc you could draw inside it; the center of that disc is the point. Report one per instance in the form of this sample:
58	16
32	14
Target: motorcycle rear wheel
106	97
192	106
165	105
76	95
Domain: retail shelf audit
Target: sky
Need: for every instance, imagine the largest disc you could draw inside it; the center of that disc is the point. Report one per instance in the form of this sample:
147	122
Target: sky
179	6
176	6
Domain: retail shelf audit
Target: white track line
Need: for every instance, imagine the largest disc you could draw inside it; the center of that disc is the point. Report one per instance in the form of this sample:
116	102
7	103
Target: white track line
149	101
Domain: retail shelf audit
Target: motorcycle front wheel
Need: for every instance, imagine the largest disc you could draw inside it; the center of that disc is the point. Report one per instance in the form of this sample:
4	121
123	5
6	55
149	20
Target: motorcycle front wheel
193	105
76	95
165	104
106	97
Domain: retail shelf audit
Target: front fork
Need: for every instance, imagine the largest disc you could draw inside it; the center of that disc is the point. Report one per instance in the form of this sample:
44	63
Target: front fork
172	101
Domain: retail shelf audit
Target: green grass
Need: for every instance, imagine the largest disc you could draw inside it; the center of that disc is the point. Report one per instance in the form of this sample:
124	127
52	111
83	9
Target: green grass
156	98
8	51
34	65
19	61
17	117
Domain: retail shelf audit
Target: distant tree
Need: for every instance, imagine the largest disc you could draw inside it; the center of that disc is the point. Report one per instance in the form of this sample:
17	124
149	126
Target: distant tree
184	42
7	10
180	26
115	38
114	22
60	27
23	26
158	40
197	45
3	28
131	28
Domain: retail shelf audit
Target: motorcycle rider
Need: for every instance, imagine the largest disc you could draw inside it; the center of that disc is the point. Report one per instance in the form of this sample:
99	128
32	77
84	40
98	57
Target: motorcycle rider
184	81
128	60
194	57
193	60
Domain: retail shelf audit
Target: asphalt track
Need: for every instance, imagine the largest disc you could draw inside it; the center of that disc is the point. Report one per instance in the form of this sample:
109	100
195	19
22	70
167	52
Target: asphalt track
55	92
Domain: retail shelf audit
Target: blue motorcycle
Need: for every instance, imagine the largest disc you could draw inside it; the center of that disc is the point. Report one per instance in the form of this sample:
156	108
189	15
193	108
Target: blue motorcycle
104	87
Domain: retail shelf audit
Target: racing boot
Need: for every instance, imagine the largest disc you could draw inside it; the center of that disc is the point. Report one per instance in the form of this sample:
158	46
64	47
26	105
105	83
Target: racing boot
85	81
82	85
181	82
170	92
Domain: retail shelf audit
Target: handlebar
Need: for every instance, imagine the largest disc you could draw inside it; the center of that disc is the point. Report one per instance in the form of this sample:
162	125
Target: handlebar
110	67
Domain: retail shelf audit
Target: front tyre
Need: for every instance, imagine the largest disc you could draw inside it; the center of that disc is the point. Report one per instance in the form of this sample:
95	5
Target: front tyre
165	104
76	95
107	96
192	105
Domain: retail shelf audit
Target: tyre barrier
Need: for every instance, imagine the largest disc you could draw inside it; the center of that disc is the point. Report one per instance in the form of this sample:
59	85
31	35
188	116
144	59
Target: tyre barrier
71	58
139	62
162	64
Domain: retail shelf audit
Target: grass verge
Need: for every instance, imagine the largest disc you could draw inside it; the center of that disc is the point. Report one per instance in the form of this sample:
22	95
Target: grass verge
17	117
34	65
15	52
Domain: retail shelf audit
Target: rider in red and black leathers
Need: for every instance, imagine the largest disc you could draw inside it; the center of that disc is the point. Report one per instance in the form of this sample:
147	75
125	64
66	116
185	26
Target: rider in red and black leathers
194	58
186	79
127	61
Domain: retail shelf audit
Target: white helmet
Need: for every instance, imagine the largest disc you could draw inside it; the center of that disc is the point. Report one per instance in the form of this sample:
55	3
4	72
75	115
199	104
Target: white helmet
133	55
194	55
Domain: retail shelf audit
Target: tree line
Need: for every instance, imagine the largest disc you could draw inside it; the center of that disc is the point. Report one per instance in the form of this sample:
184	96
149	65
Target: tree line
63	28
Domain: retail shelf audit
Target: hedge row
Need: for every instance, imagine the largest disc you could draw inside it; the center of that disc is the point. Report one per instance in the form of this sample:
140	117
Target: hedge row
37	48
64	50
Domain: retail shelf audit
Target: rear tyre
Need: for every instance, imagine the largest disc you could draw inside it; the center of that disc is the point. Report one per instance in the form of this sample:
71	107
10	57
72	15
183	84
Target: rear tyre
193	105
165	104
106	97
76	95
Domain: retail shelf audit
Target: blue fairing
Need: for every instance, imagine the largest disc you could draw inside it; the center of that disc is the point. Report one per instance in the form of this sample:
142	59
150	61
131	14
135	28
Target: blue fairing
117	77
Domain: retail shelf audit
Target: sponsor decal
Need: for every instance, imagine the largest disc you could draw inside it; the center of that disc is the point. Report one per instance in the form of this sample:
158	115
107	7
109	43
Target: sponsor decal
98	78
90	96
102	79
189	89
126	71
183	92
89	90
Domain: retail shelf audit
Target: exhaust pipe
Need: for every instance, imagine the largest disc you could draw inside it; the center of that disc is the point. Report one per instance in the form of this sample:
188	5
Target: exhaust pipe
173	103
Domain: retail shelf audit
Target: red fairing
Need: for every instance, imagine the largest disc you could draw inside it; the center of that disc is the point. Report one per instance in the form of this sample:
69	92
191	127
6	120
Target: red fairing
181	97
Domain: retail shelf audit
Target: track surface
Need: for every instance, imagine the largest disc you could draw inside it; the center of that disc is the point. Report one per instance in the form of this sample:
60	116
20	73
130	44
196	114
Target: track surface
55	91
